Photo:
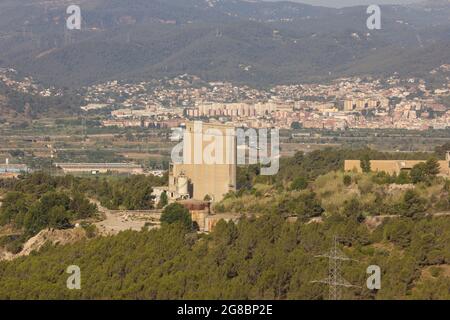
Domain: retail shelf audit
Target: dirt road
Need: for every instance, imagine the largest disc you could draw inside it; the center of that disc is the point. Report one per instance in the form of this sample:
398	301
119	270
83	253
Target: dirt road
116	221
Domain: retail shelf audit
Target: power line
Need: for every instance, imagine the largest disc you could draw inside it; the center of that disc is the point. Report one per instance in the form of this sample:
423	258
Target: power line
84	131
68	39
335	281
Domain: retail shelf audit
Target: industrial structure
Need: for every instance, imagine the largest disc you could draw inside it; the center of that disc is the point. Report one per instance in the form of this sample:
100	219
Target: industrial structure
12	170
96	168
201	215
396	166
335	281
198	179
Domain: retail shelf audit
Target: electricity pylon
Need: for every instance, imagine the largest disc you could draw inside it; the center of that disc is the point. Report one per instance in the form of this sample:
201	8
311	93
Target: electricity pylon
84	132
68	38
335	281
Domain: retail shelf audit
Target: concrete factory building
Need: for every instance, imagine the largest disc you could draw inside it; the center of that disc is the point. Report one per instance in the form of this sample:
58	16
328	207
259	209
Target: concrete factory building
396	166
198	178
8	170
96	168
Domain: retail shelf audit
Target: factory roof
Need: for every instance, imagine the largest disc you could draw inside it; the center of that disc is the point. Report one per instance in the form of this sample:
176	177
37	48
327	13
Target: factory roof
98	165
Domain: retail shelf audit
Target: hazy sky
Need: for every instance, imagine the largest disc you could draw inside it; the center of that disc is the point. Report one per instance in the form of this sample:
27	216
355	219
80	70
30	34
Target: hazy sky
343	3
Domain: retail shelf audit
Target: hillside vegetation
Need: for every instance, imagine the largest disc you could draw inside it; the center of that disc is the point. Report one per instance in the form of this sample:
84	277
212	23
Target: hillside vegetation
265	258
400	225
38	201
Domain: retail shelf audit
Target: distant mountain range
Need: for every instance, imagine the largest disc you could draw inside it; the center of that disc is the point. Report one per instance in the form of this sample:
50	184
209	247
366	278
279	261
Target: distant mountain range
350	3
253	42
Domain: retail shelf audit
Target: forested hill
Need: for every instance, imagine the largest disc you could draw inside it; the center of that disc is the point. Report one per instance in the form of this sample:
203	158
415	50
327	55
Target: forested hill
257	42
400	223
266	258
16	105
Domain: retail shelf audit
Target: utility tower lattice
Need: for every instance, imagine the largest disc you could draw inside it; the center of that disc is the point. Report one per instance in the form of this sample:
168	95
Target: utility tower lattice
84	131
68	37
335	281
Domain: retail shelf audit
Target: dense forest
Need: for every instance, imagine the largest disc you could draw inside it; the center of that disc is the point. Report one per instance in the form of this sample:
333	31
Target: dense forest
127	192
265	258
38	201
400	223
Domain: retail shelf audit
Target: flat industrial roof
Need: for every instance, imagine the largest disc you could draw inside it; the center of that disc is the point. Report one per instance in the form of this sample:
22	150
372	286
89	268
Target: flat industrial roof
98	165
13	166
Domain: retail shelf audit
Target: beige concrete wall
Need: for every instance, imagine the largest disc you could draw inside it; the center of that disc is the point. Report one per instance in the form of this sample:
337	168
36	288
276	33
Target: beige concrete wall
9	175
393	166
102	170
195	144
352	165
199	216
214	180
212	220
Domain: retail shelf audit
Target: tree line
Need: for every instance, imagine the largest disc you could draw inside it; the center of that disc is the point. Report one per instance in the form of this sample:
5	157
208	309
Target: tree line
264	258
